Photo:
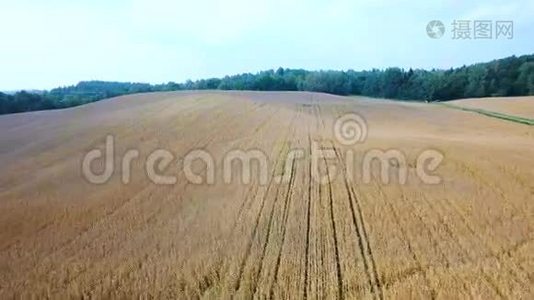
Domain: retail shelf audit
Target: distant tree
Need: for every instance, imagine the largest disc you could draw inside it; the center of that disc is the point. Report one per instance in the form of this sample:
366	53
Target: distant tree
525	80
476	81
509	76
391	82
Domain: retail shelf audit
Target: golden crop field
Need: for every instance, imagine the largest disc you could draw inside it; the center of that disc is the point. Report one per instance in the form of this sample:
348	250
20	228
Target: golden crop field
516	106
468	235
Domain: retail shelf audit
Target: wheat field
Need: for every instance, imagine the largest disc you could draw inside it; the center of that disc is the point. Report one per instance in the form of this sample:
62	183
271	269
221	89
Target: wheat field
516	106
471	235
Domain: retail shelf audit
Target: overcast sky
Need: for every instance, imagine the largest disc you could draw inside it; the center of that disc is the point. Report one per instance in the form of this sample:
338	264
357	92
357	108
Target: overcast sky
45	44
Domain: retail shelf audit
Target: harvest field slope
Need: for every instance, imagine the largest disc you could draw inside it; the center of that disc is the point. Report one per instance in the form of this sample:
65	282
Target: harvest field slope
522	107
469	236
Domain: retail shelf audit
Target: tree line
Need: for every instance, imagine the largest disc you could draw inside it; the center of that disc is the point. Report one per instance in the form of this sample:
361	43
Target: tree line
511	76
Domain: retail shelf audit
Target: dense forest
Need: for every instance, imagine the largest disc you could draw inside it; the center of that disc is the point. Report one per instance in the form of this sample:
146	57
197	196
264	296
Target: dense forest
511	76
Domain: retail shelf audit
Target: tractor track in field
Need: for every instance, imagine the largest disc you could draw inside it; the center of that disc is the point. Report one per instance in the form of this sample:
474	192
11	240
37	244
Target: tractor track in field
273	179
339	273
285	216
255	228
265	244
308	219
367	243
364	245
250	195
255	187
360	227
285	212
